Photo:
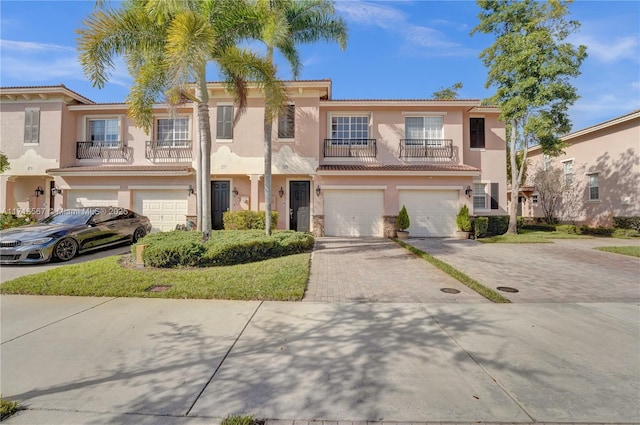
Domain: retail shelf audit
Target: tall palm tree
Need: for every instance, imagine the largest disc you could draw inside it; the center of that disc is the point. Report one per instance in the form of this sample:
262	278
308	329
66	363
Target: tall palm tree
282	25
166	46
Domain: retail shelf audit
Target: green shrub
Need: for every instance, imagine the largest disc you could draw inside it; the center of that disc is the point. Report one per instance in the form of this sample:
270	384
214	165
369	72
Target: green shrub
625	233
403	219
498	225
568	228
520	222
10	220
462	219
627	223
225	247
481	225
597	231
540	227
247	219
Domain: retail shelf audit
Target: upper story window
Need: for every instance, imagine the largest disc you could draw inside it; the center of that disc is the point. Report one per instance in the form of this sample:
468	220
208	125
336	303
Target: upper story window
568	172
594	187
173	131
421	130
476	133
287	123
224	122
352	129
104	132
32	125
547	162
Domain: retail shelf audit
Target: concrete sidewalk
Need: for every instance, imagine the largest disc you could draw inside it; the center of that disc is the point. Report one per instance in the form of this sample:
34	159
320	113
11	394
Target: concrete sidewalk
151	361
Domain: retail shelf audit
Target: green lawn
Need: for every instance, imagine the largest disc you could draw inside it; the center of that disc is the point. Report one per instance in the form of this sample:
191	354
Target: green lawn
531	236
282	279
633	251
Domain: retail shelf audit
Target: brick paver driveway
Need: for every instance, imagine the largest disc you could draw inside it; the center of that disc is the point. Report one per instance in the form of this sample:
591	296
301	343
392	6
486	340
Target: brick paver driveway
377	270
567	270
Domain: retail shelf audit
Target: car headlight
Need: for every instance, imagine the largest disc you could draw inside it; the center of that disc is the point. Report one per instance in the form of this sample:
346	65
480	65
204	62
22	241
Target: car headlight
39	241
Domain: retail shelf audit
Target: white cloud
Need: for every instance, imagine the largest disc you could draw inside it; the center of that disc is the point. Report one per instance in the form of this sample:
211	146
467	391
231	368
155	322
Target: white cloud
618	49
365	13
27	47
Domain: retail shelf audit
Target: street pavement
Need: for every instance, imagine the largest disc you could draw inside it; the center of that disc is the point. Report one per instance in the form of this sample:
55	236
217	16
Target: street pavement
75	360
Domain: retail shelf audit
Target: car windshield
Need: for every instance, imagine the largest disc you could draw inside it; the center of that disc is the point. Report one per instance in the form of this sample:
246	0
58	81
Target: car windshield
69	217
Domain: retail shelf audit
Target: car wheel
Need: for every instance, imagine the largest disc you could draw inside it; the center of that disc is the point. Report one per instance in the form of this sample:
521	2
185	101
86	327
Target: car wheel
65	250
139	233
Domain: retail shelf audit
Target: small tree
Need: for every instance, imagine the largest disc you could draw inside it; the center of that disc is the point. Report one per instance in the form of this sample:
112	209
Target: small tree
449	93
462	219
548	184
403	219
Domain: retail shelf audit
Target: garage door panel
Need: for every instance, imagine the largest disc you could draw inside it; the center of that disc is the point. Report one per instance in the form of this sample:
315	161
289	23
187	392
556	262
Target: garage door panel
165	208
92	198
353	212
432	213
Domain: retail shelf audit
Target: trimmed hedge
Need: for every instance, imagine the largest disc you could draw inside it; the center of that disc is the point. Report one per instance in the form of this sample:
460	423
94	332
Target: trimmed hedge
539	227
597	231
495	225
627	223
247	220
223	248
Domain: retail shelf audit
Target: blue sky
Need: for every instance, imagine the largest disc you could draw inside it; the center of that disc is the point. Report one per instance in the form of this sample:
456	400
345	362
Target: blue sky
397	50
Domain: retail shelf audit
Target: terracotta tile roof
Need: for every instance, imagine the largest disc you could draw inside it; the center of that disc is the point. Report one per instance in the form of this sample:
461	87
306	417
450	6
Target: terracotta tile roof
123	170
399	167
59	86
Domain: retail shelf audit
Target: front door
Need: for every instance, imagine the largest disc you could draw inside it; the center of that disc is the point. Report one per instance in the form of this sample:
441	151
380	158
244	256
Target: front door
220	190
299	212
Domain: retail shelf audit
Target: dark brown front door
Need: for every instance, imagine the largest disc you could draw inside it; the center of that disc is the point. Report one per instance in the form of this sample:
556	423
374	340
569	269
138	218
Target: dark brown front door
219	202
299	199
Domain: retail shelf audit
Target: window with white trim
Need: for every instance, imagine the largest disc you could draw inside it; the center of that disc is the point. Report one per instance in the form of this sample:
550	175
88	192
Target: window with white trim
350	129
32	125
568	172
534	199
480	196
104	131
172	131
423	131
224	122
287	123
547	162
594	187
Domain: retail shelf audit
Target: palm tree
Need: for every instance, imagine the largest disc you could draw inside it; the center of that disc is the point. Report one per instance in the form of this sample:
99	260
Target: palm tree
166	45
281	25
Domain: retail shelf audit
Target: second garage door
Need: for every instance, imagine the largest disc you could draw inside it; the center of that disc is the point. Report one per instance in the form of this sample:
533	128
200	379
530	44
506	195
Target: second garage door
432	212
353	212
165	208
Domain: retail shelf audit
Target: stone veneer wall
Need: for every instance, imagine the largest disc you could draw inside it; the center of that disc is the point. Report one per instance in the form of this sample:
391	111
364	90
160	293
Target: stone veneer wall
318	226
390	226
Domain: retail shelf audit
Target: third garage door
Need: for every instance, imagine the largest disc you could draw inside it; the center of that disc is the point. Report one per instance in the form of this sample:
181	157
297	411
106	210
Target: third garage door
353	212
432	212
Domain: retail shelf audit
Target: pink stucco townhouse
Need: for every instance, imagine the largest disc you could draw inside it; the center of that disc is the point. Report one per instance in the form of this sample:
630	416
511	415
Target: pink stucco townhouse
340	167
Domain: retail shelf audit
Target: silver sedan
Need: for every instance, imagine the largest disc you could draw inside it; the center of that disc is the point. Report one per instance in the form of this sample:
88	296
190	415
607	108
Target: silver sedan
70	232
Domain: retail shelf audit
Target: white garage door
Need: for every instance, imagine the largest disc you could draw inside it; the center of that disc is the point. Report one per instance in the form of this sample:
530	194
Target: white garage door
165	208
353	212
92	198
432	212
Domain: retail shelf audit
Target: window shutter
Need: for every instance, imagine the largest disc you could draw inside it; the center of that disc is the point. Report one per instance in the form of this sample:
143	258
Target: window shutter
219	122
495	196
31	125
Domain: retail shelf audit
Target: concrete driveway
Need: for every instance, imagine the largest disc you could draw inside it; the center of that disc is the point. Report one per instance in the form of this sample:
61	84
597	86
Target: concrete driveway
567	270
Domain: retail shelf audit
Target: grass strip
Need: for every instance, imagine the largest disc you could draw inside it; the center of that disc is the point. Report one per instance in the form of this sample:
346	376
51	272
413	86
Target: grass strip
633	251
278	279
531	236
488	293
8	408
239	420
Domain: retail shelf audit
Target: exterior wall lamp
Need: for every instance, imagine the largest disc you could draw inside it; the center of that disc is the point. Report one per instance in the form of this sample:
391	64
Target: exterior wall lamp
281	192
318	190
190	190
235	191
56	191
468	191
39	191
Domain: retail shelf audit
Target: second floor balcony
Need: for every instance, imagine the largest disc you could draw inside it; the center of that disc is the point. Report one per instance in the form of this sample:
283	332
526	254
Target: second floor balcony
426	148
115	151
350	148
169	151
